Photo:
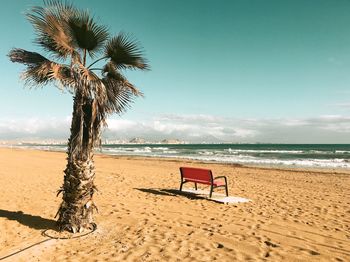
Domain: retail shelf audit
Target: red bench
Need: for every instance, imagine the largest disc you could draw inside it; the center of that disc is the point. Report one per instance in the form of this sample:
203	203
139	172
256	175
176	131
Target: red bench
202	176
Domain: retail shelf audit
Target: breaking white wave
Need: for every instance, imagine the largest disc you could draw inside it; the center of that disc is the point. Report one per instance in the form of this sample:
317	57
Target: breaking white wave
139	150
235	151
311	163
239	156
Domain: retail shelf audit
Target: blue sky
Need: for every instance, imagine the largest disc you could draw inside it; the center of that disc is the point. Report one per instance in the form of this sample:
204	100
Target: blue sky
240	71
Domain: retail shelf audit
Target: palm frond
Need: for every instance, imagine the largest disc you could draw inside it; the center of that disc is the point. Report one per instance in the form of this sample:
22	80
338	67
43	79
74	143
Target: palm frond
119	97
110	71
86	33
125	52
41	70
50	24
63	9
18	55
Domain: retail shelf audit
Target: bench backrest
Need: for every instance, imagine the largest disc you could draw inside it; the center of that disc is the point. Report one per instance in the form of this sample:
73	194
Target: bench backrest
196	173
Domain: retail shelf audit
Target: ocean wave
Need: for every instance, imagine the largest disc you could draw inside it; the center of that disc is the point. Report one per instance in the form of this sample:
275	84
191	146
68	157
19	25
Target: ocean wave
246	159
313	163
160	148
207	153
342	151
43	147
234	151
313	157
138	150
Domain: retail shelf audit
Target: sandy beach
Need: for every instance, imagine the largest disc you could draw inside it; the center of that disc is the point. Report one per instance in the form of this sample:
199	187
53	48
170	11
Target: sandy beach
293	215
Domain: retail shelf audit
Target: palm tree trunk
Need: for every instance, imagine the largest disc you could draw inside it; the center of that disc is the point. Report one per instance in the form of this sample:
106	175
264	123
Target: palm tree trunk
76	210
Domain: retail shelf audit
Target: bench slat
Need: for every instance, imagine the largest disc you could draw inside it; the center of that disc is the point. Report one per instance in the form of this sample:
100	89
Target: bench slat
197	174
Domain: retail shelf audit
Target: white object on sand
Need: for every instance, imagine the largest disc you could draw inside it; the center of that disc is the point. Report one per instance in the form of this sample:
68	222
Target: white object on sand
217	196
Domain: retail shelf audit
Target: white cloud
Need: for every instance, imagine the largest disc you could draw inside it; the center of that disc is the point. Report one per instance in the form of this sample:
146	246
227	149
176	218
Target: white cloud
34	128
295	122
195	128
322	129
120	124
343	105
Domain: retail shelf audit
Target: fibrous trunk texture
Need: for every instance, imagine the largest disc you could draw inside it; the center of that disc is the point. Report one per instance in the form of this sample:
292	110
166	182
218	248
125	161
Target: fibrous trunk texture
76	210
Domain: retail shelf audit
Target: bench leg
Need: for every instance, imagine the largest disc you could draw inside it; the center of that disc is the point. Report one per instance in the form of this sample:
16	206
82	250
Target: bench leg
195	185
226	190
181	186
211	191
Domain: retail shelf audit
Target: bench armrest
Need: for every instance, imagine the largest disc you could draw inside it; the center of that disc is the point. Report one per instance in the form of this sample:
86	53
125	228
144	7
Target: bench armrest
223	178
220	177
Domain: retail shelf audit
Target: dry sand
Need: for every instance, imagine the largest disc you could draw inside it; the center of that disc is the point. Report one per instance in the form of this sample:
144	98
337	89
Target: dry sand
293	216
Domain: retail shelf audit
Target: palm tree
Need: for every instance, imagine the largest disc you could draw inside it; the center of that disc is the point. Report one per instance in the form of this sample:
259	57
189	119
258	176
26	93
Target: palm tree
72	37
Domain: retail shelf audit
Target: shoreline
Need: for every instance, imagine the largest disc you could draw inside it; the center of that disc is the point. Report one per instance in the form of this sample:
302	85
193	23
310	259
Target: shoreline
324	170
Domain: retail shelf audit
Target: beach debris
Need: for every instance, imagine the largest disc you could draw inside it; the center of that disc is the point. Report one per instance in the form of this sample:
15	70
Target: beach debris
313	253
270	244
219	245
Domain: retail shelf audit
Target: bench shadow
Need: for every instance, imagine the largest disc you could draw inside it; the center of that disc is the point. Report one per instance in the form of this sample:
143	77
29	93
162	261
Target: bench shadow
169	192
35	222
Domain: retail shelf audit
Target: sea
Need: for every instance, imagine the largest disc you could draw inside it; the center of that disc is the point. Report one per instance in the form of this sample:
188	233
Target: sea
324	156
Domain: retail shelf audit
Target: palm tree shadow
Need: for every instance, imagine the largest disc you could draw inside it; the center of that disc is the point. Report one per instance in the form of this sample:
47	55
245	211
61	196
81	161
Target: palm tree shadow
35	222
